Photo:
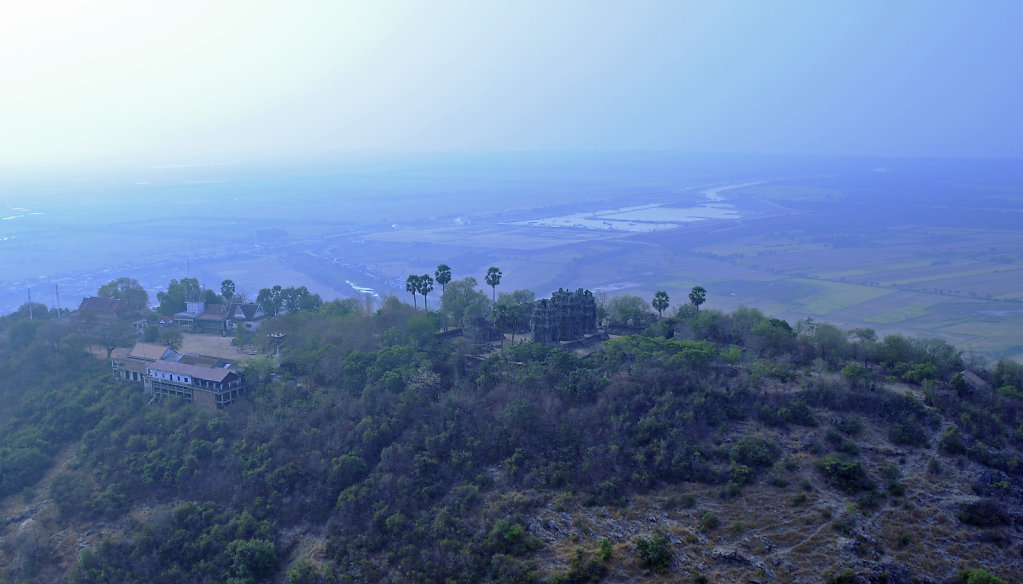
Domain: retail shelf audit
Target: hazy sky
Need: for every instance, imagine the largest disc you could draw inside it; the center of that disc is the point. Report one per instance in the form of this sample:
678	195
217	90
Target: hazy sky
206	81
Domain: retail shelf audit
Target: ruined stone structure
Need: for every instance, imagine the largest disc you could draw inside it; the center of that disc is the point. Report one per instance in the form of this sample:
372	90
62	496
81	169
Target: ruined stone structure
564	317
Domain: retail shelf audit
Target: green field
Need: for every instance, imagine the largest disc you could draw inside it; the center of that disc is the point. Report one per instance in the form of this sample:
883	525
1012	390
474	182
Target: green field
940	275
900	314
828	297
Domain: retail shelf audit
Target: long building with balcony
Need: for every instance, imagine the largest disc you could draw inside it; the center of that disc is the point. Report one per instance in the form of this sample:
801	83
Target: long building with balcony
213	387
201	379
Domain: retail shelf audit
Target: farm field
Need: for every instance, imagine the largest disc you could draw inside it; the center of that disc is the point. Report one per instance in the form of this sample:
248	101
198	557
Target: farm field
922	247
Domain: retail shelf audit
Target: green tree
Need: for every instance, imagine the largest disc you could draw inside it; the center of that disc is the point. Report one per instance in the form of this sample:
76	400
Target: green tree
128	290
412	285
36	310
443	276
171	338
629	310
173	299
252	560
191	289
660	302
1008	373
865	347
697	296
772	337
425	287
151	334
654	554
976	576
23	332
211	297
493	278
520	297
524	301
112	334
463	302
271	300
300	299
507	318
227	290
830	342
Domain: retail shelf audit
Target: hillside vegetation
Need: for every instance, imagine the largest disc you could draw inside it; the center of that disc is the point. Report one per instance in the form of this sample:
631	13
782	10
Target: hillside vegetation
710	448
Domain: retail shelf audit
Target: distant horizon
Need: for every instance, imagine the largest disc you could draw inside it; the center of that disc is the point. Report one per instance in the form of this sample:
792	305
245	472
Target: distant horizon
355	156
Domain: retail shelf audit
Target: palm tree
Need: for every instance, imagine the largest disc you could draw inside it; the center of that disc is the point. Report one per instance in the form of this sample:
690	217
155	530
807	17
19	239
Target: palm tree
425	287
697	296
412	285
660	302
493	278
227	290
443	275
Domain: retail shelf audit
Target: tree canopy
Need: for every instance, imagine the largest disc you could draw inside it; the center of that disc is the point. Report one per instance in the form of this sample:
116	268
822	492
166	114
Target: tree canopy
128	290
443	276
629	310
172	300
462	302
493	279
660	302
227	290
697	296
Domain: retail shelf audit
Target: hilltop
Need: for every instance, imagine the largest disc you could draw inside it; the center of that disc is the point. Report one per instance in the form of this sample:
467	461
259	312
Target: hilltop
710	447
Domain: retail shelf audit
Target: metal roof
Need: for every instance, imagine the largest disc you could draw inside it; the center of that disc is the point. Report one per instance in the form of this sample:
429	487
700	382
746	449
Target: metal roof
195	371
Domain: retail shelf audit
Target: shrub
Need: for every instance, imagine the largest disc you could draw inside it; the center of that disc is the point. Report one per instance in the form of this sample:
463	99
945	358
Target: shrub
976	576
869	502
753	452
740	474
909	433
709	520
840	443
510	538
584	568
848	476
653	553
306	572
846	576
252	560
851	425
982	513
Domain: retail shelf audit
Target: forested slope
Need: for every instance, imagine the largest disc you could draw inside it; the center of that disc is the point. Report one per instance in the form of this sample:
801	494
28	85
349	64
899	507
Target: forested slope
738	449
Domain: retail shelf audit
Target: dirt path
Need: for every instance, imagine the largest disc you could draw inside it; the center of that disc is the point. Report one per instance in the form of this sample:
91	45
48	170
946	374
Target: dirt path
787	550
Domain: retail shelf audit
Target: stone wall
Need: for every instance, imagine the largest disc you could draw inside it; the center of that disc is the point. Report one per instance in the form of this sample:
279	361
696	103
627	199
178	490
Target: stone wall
564	316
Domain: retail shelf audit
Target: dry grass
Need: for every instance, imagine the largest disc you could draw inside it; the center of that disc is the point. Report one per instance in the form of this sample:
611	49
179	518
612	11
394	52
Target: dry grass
763	536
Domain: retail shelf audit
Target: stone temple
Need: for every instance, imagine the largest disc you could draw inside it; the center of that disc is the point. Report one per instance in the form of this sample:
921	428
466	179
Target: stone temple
565	316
